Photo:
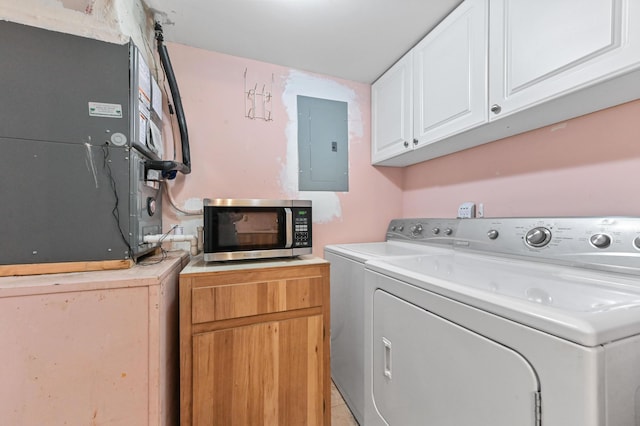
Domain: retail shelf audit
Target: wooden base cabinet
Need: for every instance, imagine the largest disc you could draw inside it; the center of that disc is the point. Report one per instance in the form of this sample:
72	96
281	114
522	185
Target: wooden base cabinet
255	343
91	348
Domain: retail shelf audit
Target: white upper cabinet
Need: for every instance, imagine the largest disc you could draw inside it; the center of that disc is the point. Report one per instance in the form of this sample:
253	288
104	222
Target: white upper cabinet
392	111
546	48
496	68
450	74
437	89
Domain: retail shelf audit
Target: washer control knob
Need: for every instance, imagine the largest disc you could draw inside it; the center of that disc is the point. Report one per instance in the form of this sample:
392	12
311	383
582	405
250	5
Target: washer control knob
636	243
492	234
416	229
401	228
448	231
538	237
600	240
435	231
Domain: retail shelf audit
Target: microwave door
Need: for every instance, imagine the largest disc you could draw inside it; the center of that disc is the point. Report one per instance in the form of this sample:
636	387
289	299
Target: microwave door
288	227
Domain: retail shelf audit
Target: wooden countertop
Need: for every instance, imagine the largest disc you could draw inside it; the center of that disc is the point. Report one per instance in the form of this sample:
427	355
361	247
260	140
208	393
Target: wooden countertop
199	266
150	271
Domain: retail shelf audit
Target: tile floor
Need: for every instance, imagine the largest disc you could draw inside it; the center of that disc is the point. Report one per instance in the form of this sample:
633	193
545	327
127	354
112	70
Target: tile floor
340	414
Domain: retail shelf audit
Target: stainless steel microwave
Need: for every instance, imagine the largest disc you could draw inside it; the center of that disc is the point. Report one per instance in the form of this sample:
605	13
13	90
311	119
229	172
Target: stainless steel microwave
237	229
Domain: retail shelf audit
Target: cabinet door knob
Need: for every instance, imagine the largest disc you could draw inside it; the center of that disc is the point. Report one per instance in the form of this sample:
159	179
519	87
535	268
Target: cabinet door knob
495	108
406	144
415	141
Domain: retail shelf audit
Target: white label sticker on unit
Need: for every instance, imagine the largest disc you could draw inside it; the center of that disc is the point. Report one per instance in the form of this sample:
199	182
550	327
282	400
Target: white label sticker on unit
156	97
143	129
101	109
144	82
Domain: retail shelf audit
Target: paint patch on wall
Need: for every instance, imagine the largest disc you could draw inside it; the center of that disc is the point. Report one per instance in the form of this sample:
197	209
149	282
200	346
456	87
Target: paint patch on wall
326	205
193	204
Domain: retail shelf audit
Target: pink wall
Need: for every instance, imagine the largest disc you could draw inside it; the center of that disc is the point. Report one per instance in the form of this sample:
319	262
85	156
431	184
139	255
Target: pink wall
586	166
236	157
582	167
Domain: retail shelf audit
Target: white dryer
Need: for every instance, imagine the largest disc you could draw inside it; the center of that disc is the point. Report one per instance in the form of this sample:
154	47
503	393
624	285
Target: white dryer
404	237
529	322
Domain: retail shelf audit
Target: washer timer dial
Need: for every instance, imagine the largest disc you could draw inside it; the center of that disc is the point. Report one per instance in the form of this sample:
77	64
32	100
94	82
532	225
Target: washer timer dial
600	240
538	237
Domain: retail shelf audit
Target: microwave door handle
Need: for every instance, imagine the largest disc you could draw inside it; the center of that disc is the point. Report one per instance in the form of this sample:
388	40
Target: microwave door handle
288	227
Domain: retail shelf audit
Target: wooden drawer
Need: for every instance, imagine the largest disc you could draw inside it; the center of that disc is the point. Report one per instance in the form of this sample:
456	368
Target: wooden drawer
222	302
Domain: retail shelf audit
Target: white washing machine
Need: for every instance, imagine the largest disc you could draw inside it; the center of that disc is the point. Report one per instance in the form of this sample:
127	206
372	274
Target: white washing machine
405	237
529	322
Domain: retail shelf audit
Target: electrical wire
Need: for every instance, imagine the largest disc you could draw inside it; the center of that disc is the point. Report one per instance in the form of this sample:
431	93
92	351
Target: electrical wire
114	212
162	250
155	261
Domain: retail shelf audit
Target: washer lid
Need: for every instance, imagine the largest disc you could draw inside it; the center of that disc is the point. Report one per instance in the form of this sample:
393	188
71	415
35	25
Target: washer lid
586	307
361	252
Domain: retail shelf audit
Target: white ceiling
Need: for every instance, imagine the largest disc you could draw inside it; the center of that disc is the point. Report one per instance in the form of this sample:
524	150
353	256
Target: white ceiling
351	39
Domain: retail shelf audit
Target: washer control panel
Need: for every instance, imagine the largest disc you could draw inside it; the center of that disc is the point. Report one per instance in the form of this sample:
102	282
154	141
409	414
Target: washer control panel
423	230
601	243
604	243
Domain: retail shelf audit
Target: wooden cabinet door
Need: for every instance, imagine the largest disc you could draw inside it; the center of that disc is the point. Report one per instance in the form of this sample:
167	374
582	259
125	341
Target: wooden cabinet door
450	74
267	374
543	49
392	112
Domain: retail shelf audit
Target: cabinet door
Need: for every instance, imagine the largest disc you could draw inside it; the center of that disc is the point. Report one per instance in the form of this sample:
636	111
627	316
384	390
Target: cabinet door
391	112
77	358
450	74
263	374
543	49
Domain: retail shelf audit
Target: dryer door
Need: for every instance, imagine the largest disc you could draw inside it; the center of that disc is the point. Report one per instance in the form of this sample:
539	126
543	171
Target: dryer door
430	371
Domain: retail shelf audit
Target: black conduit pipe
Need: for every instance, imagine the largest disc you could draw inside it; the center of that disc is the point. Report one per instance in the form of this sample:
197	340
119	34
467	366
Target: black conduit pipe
168	167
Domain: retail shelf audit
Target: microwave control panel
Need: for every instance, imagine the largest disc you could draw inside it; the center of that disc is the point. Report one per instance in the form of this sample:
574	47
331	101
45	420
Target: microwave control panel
302	227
